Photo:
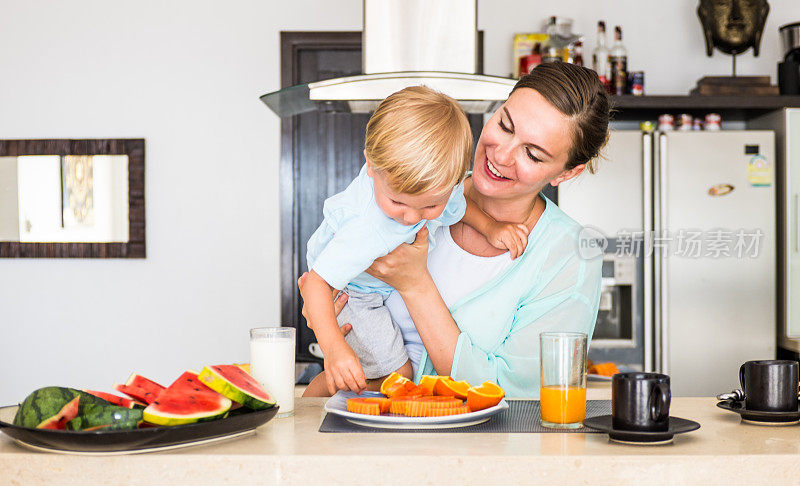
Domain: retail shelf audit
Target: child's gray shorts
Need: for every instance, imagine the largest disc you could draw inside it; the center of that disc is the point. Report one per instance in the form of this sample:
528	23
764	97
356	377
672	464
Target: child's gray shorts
375	338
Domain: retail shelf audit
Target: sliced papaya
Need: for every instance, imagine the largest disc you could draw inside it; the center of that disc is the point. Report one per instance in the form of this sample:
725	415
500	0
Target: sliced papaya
383	403
441	412
361	405
398	405
421	406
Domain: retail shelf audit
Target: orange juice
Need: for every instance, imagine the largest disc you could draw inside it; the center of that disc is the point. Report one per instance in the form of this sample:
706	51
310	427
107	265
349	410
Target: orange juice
563	405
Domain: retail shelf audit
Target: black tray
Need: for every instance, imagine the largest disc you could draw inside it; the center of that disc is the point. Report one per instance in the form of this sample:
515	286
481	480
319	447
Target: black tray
133	441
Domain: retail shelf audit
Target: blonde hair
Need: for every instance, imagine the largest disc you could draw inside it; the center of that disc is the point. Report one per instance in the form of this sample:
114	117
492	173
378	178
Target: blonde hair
420	139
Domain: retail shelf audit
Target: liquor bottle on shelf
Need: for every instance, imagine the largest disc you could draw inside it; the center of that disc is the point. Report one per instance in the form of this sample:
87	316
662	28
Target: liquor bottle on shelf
577	57
618	57
550	50
600	61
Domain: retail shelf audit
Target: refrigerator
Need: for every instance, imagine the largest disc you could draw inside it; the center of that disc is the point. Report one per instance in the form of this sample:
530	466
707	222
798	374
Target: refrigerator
786	124
698	208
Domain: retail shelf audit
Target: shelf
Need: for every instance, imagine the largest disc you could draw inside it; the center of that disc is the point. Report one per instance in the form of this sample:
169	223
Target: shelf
742	108
629	102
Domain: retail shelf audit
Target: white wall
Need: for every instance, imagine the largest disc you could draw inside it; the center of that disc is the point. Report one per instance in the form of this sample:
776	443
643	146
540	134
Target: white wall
186	76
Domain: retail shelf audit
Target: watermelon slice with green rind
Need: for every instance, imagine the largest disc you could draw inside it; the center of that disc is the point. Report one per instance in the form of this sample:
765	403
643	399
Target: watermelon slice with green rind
186	401
234	383
115	399
65	414
108	417
140	388
53	406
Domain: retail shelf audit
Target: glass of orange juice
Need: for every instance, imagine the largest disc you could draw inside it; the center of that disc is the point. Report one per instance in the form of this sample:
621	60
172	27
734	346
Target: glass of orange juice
562	393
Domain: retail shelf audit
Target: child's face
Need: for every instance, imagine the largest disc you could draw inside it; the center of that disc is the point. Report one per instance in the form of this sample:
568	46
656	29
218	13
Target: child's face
406	209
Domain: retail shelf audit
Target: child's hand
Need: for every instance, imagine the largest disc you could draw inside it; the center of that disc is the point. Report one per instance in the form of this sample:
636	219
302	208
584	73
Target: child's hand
508	236
343	370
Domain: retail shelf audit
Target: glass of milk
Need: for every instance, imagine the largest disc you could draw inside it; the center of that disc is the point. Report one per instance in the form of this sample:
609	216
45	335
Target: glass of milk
272	364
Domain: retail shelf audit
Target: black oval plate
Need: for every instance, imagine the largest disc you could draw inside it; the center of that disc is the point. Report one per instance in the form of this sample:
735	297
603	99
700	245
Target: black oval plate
133	441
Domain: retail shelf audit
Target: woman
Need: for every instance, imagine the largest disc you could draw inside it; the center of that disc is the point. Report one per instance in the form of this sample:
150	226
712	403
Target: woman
467	310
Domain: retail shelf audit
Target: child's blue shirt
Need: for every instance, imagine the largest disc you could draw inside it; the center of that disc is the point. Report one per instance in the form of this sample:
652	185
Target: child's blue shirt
355	231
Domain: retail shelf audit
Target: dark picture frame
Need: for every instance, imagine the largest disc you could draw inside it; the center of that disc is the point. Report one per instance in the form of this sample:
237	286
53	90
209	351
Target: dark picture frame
134	149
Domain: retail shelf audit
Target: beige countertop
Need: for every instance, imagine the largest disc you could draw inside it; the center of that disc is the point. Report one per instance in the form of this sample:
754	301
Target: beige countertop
292	451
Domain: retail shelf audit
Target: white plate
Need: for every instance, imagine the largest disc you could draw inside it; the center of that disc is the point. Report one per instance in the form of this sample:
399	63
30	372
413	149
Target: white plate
337	405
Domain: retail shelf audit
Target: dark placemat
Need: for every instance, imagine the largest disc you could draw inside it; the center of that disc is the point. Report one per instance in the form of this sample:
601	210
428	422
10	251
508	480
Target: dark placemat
522	416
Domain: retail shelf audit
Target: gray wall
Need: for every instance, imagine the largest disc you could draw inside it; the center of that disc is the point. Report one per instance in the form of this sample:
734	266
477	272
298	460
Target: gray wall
186	76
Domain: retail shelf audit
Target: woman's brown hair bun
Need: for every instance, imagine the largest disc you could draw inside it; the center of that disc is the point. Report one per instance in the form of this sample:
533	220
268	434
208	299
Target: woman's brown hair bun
578	93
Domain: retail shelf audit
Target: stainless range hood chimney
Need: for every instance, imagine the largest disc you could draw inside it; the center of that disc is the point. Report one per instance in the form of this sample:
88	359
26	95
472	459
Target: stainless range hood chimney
405	43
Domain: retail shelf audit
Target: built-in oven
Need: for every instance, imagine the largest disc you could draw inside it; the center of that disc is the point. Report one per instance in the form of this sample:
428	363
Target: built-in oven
619	331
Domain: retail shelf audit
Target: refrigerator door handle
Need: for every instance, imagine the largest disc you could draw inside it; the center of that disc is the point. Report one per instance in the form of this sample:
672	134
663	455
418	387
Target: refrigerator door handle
797	222
647	226
661	261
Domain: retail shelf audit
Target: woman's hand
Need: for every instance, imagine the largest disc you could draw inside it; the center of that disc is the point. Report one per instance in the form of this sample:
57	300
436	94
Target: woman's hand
403	267
338	305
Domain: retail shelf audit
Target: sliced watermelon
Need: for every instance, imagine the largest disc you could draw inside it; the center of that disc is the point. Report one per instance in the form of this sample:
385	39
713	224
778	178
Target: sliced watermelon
140	388
116	400
60	419
52	407
108	417
234	383
186	401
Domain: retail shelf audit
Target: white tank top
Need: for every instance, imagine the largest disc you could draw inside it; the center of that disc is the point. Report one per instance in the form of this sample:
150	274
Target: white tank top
456	273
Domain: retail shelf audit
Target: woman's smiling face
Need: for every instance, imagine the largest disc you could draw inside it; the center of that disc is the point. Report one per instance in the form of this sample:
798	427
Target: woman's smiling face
523	146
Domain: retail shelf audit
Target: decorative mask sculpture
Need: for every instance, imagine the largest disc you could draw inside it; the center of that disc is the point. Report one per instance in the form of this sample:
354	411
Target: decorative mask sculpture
732	26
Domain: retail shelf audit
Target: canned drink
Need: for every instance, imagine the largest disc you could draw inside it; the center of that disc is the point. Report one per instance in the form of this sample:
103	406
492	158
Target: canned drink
713	121
666	122
697	124
685	121
647	126
636	83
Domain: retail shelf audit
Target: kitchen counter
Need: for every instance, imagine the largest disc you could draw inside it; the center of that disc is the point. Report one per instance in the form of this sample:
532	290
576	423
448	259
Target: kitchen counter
291	451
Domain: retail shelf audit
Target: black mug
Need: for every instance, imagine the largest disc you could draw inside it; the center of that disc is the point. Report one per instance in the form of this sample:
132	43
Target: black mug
640	401
770	385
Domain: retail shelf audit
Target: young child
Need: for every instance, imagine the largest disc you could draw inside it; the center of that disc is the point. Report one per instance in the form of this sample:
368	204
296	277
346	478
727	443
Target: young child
418	151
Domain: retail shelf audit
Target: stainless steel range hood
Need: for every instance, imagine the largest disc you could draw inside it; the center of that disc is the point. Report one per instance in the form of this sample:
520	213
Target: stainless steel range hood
405	43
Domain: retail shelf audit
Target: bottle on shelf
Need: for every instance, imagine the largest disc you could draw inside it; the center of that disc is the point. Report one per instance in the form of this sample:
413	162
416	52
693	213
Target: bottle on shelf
600	60
618	58
550	49
577	50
